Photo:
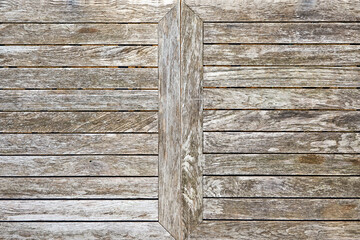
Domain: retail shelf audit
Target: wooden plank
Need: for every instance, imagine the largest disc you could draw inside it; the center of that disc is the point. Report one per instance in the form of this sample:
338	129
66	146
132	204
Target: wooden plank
78	144
78	55
272	230
78	78
78	210
282	164
319	55
88	165
270	10
79	100
280	142
282	209
78	188
230	120
83	11
78	122
281	77
78	34
256	98
238	186
78	230
282	32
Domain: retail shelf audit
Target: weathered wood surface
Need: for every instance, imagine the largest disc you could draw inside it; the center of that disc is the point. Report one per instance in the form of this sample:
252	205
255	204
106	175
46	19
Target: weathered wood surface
238	186
36	100
282	164
78	78
78	122
83	11
282	209
78	34
88	165
281	77
78	144
78	188
256	98
271	10
271	230
338	55
262	120
79	210
280	142
281	33
83	230
78	55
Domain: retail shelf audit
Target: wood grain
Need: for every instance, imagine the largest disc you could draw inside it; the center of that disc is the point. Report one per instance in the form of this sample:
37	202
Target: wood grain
78	144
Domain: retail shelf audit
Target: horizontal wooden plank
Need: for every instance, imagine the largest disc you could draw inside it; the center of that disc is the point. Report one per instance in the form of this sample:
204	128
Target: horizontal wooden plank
78	55
257	98
270	10
78	78
78	34
88	122
78	143
36	100
281	77
280	142
78	230
262	120
83	11
239	186
282	164
282	33
282	209
339	55
272	230
77	210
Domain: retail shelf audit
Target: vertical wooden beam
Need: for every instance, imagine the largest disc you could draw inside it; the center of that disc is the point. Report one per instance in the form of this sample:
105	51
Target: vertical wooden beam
180	120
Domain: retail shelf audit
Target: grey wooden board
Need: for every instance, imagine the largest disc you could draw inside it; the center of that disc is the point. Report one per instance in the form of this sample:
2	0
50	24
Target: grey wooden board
281	142
282	164
79	122
83	230
282	209
281	77
76	210
257	98
262	120
239	186
65	100
78	144
78	34
87	165
78	78
282	33
271	230
271	10
83	11
334	55
78	55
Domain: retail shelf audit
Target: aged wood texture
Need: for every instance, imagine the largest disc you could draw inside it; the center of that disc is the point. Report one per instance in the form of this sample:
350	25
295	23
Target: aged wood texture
281	77
262	120
337	55
78	55
282	164
36	100
180	121
257	98
85	210
282	209
78	78
78	144
78	34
